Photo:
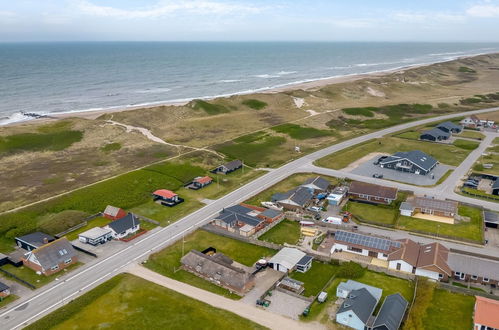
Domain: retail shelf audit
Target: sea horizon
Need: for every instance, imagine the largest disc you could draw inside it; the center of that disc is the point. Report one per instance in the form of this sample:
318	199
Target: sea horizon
71	77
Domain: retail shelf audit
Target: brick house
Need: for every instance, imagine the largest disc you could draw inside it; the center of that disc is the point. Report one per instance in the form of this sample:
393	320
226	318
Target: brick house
52	257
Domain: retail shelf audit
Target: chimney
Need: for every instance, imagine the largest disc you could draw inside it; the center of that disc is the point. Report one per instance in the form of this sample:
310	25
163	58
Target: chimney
45	240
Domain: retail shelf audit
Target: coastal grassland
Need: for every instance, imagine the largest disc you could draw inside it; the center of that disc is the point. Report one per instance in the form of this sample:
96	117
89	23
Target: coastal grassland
30	176
131	191
449	310
316	277
471	134
30	276
288	183
466	144
167	261
471	231
298	132
126	301
446	154
254	104
287	231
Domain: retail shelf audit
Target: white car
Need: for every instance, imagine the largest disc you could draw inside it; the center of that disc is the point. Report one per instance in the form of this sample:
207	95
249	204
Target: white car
333	220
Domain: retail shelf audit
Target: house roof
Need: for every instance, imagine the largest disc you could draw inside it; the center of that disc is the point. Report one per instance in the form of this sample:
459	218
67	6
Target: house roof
288	257
239	213
217	266
417	157
317	182
437	133
203	179
3	287
474	266
305	260
164	193
406	206
449	125
491	217
233	164
95	232
474	118
127	222
487	312
360	302
112	210
433	257
299	196
54	253
370	189
495	185
372	243
269	213
36	239
351	285
409	252
435	204
391	313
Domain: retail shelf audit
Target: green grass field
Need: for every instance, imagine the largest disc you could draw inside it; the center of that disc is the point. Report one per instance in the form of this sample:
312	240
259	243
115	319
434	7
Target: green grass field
466	144
129	302
298	132
472	230
372	213
8	300
316	277
411	135
209	108
97	222
471	135
449	311
287	231
255	104
32	277
167	261
447	154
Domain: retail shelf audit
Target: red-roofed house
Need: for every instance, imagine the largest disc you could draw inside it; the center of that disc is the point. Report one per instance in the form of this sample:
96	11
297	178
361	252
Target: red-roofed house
166	197
199	182
114	213
486	314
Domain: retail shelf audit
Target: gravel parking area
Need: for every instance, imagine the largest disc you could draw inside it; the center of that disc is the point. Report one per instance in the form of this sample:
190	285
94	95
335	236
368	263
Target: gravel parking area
263	282
368	169
287	305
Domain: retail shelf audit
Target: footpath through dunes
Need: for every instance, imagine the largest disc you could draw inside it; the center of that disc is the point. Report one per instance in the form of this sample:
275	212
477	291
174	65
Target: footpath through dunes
252	313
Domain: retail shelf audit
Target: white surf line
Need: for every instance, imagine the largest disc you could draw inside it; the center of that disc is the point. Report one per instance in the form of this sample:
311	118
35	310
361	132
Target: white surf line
124	250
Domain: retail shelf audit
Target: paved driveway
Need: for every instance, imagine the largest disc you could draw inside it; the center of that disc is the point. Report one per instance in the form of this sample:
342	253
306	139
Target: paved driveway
263	282
368	169
286	304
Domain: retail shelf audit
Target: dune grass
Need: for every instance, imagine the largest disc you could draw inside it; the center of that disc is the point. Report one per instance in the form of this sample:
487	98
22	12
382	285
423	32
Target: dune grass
209	108
255	104
298	132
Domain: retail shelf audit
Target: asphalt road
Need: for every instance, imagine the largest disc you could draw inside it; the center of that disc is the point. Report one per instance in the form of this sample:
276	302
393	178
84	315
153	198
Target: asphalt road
70	286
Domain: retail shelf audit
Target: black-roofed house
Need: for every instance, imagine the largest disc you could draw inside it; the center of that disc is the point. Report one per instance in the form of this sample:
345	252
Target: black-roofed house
495	187
33	241
415	161
219	269
491	219
391	314
239	219
317	184
435	135
450	127
228	167
124	227
4	290
295	199
52	257
356	310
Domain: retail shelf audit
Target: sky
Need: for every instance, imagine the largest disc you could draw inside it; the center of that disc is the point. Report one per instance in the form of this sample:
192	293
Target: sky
249	20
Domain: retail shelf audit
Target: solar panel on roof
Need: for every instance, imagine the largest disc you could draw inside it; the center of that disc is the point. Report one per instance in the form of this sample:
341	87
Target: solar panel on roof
364	240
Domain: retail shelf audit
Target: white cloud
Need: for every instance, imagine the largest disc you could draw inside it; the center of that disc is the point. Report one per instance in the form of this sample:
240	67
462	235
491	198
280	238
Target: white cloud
164	8
485	10
427	17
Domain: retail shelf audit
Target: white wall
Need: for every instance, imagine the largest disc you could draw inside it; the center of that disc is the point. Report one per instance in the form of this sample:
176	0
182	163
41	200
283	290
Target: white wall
427	273
404	266
406	213
343	247
351	321
380	256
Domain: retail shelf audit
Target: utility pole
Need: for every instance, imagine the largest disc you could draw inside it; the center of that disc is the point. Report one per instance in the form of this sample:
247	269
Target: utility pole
183	241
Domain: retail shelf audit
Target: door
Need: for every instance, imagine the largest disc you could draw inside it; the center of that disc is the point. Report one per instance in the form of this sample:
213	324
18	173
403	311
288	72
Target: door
398	265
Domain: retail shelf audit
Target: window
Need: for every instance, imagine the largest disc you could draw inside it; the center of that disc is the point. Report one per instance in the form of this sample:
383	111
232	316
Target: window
68	261
440	275
474	277
457	274
385	255
56	267
354	249
485	279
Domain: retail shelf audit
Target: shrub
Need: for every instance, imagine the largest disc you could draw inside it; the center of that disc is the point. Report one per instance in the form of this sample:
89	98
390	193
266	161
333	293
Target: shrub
254	104
465	69
365	112
351	270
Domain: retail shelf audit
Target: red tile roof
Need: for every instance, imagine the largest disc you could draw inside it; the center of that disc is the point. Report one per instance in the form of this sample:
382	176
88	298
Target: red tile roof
487	312
204	179
164	193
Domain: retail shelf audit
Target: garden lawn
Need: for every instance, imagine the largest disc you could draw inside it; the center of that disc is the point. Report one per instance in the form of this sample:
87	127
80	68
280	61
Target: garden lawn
287	231
449	310
446	154
373	213
411	135
129	302
316	277
32	277
167	261
466	144
472	230
8	300
288	183
471	135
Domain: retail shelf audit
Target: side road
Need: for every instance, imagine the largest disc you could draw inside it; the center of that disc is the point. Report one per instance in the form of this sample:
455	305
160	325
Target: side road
257	315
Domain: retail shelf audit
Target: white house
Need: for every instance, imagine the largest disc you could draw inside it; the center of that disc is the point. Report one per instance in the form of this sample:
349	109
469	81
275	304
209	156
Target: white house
344	288
123	227
288	258
406	258
357	309
365	245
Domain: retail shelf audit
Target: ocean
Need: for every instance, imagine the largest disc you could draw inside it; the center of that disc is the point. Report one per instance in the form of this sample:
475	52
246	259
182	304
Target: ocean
47	78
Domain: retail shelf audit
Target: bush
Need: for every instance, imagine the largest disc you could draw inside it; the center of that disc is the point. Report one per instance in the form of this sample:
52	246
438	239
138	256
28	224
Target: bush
351	270
465	69
255	104
365	112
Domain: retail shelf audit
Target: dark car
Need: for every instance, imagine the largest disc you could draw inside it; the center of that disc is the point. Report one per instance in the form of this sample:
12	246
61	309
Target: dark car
378	176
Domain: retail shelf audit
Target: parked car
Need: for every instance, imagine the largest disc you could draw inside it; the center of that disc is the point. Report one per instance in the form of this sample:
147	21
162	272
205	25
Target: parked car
315	208
333	220
378	176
